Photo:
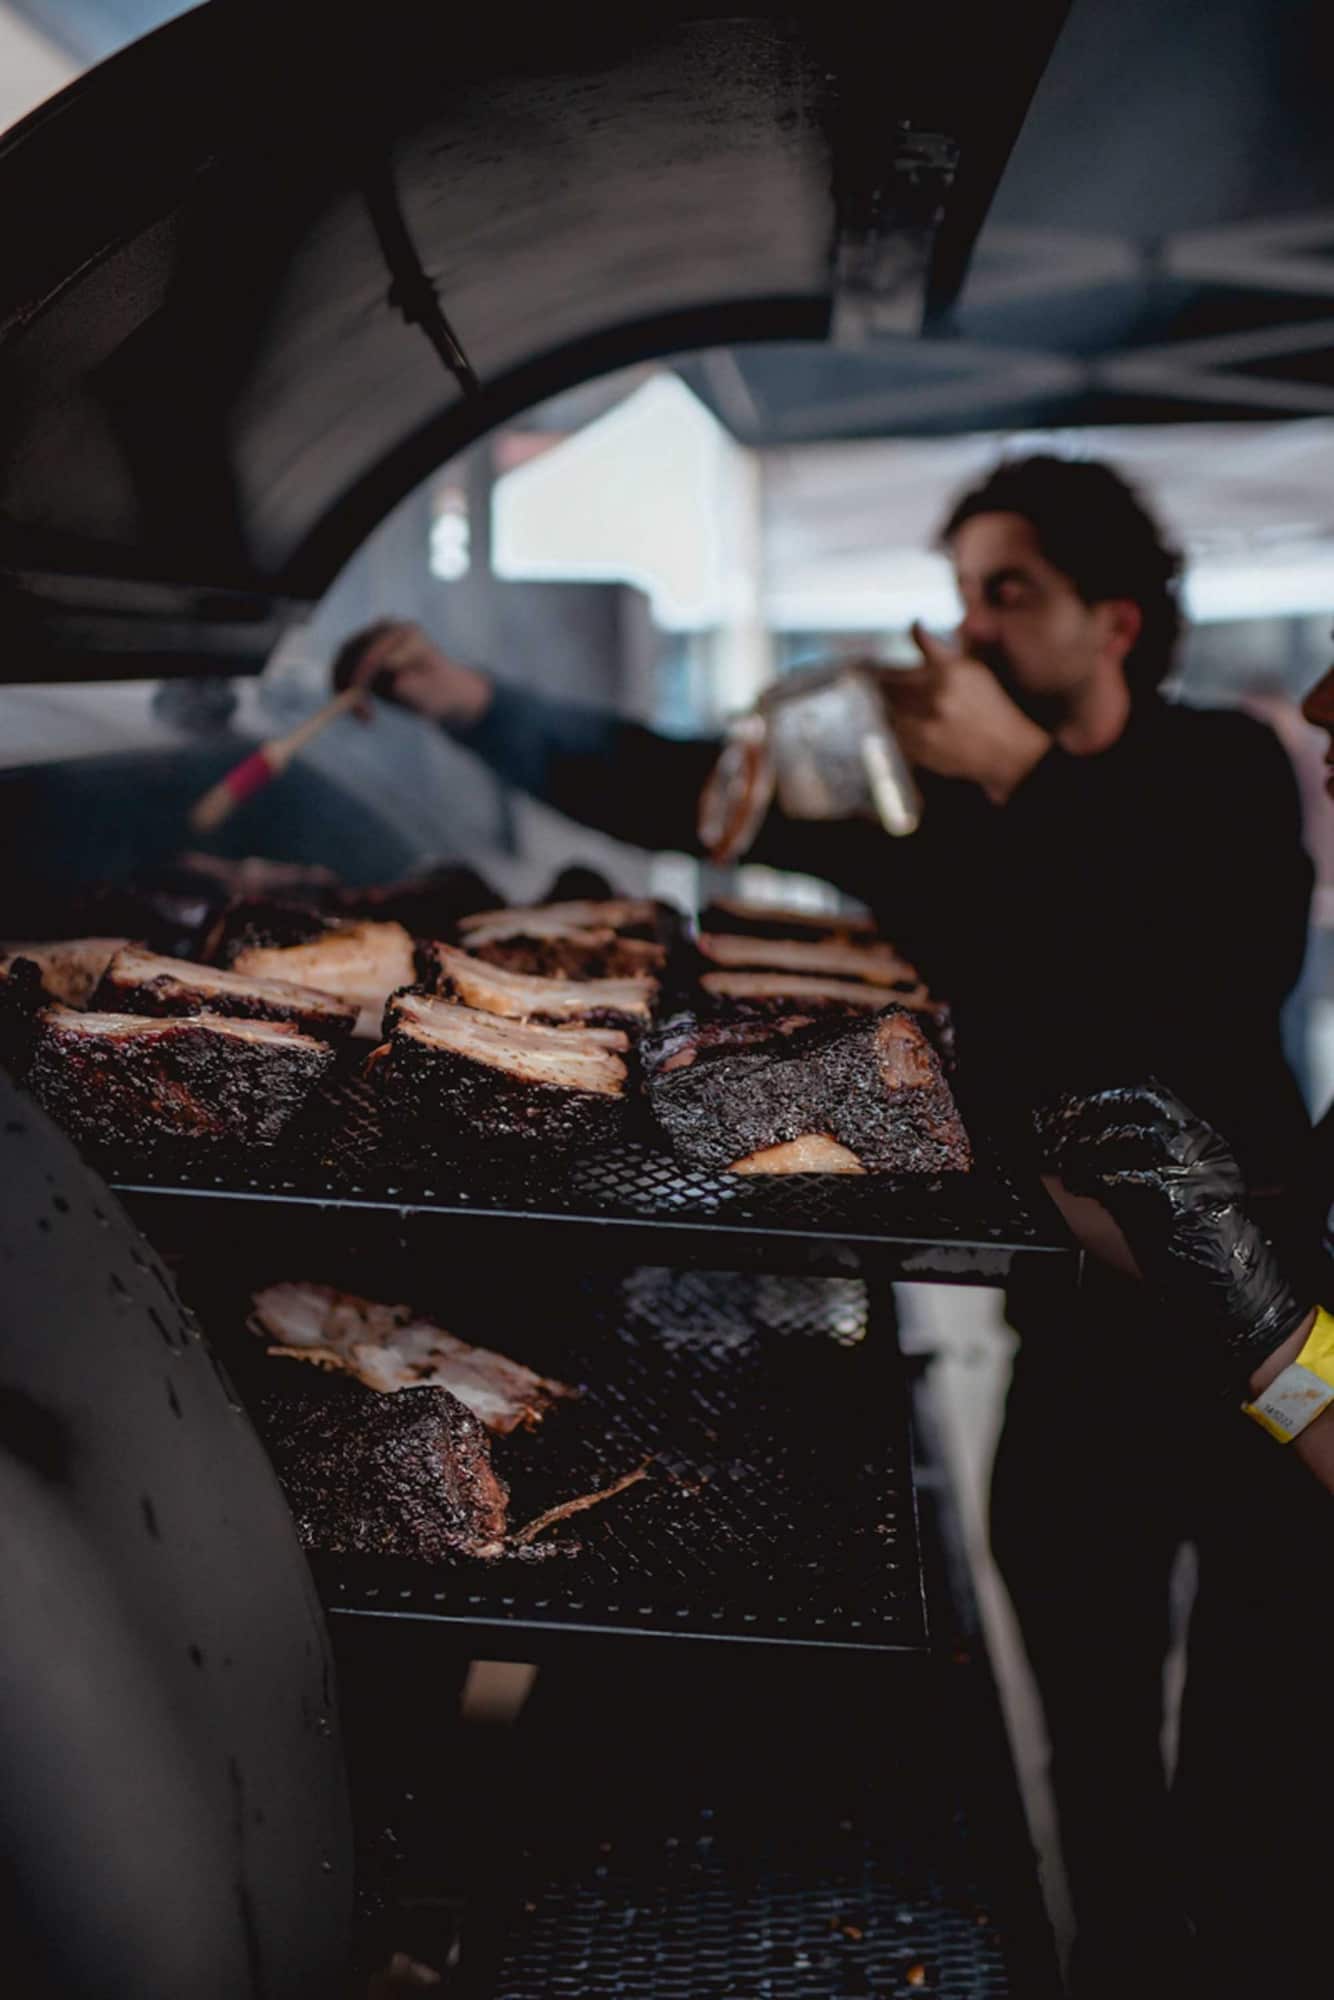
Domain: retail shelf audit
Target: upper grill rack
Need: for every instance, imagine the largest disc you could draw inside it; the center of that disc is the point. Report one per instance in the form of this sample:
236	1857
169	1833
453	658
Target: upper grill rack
644	1205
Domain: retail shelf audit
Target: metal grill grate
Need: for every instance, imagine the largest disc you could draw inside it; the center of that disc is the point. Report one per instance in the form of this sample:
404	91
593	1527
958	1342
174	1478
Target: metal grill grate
704	1915
968	1227
779	1501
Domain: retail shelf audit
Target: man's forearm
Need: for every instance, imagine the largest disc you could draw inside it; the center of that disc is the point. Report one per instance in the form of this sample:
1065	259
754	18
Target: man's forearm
592	765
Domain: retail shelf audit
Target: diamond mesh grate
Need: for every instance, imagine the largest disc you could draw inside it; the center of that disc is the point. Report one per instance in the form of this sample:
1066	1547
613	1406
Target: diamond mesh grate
778	1504
705	1915
958	1226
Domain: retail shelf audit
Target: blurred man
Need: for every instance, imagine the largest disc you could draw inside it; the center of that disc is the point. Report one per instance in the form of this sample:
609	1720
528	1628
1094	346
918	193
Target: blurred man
1074	891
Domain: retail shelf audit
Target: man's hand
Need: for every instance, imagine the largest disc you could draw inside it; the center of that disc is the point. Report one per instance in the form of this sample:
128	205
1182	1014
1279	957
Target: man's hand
398	661
953	717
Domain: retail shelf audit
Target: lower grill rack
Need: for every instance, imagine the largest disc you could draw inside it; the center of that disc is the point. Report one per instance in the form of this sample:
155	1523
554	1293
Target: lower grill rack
772	1417
702	1914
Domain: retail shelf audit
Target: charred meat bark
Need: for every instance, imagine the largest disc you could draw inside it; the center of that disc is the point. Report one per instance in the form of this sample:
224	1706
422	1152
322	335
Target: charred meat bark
872	964
428	905
263	923
22	1001
70	969
128	1081
569	953
619	938
453	1074
138	982
402	1475
593	1003
359	962
777	996
871	1089
392	1348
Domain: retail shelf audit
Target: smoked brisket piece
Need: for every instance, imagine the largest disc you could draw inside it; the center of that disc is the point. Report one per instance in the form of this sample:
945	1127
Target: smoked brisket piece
628	916
70	968
369	1474
802	992
613	939
873	964
569	953
22	1000
594	1003
428	905
777	996
137	982
360	962
455	1077
391	1348
138	1084
263	923
871	1088
773	920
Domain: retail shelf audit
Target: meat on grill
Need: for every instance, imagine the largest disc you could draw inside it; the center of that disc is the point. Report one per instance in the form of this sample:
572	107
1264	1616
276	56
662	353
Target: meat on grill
133	1082
772	920
366	1474
22	1000
138	982
391	1348
628	916
573	954
871	1088
70	969
618	938
359	962
265	923
874	964
454	1072
428	905
597	1003
790	992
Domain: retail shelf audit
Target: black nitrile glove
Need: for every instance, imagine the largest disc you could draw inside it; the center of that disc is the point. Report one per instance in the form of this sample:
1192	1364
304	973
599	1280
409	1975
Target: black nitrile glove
1176	1193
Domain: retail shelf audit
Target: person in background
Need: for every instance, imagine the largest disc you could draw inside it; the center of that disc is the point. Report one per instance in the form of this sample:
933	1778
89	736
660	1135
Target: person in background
1244	1301
1074	890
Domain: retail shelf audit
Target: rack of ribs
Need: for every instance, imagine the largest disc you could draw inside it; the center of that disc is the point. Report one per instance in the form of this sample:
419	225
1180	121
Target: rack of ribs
813	993
368	1474
452	1070
391	1348
873	964
139	982
618	938
359	962
520	996
69	970
131	1081
843	1094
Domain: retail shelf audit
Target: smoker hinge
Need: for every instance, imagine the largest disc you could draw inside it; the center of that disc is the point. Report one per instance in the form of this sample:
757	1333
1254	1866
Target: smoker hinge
411	292
887	226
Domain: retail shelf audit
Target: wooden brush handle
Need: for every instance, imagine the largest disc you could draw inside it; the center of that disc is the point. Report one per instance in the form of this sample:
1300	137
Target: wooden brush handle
263	765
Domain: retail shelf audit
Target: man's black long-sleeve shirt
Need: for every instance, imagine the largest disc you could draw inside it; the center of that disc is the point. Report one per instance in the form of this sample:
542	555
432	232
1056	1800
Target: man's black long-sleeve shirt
1138	912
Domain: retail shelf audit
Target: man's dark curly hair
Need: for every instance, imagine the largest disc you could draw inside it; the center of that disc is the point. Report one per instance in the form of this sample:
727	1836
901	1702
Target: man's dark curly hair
1093	527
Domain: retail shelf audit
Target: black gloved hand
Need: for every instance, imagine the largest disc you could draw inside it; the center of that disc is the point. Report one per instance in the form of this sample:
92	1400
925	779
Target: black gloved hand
1176	1193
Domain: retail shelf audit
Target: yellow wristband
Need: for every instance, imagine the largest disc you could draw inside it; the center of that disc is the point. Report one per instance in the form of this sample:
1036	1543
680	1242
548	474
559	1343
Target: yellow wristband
1303	1390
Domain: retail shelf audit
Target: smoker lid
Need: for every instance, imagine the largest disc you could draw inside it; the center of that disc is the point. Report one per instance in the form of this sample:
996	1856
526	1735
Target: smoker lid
270	265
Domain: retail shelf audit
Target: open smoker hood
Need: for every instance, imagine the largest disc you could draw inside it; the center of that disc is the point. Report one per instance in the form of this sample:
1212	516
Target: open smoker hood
272	264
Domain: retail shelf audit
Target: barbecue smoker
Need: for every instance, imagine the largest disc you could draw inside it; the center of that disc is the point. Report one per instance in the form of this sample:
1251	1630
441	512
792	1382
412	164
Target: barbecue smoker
264	272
